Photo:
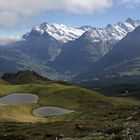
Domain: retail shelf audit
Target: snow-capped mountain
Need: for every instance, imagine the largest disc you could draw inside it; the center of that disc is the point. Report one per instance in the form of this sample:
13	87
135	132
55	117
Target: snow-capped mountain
64	34
86	28
115	32
122	60
63	48
58	31
91	46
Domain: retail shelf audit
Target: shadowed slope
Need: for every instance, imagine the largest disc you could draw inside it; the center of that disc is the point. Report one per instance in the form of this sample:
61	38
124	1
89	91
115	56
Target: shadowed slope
24	77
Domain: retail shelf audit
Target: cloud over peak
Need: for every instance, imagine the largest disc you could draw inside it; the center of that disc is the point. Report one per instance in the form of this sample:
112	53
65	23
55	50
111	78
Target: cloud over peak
13	12
17	12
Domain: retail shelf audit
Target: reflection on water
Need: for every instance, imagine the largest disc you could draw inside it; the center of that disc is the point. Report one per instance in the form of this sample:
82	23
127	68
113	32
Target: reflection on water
51	111
18	98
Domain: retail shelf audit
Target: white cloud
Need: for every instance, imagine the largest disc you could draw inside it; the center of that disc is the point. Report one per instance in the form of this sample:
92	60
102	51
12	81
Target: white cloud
15	12
130	3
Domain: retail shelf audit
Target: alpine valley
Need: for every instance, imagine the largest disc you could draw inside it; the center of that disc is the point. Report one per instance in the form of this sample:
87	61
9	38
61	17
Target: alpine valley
65	83
60	52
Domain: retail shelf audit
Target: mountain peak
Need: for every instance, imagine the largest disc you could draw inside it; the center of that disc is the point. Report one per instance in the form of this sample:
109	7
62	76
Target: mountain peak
133	22
43	25
60	32
129	20
64	33
115	32
109	26
86	28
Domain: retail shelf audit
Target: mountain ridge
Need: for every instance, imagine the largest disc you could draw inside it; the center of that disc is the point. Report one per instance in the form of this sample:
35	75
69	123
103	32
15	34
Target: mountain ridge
91	46
122	60
45	54
60	32
24	77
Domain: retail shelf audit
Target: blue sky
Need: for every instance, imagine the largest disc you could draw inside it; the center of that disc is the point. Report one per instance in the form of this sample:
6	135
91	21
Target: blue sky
19	21
98	19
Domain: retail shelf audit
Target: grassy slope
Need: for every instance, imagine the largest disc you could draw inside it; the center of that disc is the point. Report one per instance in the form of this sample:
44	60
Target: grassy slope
2	82
70	97
51	94
94	111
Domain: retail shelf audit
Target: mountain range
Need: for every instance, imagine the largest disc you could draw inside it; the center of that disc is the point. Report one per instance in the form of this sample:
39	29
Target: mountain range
60	32
60	51
122	60
91	46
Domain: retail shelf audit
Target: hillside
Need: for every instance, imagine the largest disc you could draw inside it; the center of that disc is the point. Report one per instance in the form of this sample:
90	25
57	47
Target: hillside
24	77
2	82
7	66
95	115
122	90
116	87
